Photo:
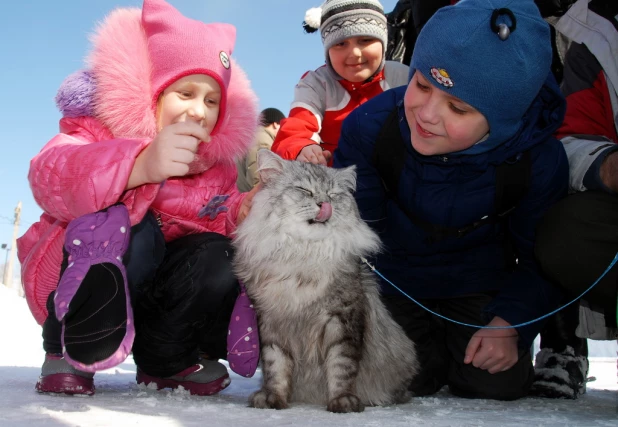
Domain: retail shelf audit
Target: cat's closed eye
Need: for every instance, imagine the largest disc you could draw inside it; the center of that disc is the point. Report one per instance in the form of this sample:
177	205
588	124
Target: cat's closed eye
335	196
305	190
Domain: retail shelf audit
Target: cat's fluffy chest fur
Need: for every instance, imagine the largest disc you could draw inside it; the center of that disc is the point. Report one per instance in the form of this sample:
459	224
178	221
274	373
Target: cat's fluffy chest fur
325	335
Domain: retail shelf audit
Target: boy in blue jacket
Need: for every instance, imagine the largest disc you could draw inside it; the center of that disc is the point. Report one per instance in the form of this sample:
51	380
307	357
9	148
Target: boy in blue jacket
455	170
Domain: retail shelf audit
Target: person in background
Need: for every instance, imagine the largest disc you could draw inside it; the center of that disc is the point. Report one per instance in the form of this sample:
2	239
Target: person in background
270	123
405	22
354	36
577	239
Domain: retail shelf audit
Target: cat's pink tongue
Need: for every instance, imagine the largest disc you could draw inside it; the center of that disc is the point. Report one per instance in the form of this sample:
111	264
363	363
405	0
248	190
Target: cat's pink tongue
326	210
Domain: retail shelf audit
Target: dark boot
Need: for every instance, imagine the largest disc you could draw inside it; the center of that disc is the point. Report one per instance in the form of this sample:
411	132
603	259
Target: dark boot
561	367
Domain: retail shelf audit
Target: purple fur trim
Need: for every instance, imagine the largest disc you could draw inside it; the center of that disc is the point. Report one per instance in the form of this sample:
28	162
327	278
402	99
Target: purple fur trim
75	97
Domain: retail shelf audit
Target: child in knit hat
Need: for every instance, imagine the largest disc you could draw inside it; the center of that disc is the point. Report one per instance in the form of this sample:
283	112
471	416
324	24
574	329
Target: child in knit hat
455	172
139	196
354	35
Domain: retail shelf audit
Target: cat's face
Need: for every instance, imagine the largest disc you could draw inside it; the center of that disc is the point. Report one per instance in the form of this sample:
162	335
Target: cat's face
307	201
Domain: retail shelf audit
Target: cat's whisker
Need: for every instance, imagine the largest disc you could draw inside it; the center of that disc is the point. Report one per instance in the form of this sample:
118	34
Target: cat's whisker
375	220
286	215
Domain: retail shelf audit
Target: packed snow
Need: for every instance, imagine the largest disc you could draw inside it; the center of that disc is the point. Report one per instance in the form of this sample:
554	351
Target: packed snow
119	401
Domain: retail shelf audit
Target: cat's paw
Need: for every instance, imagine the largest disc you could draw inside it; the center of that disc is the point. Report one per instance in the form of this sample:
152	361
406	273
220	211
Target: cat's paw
265	399
345	403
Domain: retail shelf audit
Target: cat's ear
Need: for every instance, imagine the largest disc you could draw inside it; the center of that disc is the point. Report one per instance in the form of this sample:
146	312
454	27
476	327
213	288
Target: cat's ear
347	178
269	165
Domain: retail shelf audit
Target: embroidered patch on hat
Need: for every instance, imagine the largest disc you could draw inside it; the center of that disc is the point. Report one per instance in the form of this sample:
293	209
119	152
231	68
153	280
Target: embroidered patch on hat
225	60
441	76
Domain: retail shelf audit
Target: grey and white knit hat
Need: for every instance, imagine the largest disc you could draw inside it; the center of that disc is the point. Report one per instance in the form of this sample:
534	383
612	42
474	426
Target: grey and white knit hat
338	20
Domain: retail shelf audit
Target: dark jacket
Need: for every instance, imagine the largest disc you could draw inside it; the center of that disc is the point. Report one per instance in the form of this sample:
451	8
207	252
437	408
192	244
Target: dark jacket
456	190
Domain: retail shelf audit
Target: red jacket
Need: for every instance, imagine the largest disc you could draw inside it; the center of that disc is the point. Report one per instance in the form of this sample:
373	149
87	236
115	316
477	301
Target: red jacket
590	128
321	103
589	106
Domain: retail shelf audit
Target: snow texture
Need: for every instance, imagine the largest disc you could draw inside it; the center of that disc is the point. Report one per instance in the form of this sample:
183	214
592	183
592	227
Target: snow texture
119	401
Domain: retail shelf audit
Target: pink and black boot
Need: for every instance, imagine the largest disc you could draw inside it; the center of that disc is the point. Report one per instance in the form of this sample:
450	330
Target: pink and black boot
57	376
205	378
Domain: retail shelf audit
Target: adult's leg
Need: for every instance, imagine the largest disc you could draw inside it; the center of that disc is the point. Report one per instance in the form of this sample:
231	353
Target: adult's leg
559	332
576	241
561	366
465	380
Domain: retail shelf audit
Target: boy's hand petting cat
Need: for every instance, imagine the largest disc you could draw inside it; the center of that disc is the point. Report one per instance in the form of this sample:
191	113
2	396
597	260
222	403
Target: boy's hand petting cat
314	154
494	350
169	154
246	204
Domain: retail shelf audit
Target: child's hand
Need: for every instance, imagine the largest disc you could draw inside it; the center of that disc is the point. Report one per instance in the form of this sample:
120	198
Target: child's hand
609	171
494	350
169	154
314	154
246	204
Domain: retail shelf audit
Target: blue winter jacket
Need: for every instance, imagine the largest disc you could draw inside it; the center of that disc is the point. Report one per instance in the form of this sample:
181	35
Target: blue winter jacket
455	190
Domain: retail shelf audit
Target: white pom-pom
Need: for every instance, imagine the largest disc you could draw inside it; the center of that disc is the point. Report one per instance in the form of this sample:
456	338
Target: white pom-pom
313	17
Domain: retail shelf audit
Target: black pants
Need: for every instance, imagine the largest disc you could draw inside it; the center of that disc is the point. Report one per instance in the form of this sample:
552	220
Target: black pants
182	295
559	332
576	241
441	346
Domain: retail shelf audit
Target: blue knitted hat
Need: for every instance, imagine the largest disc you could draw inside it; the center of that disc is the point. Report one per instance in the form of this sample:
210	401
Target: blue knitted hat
493	54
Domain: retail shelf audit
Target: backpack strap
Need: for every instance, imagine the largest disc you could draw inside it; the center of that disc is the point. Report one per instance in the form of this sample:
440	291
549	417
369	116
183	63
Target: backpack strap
512	182
388	157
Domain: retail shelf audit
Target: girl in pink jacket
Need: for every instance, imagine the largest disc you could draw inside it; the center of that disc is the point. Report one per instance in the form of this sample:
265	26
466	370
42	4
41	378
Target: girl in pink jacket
138	193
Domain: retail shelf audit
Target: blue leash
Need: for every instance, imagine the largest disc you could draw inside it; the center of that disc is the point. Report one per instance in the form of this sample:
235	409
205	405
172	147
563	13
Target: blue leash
492	327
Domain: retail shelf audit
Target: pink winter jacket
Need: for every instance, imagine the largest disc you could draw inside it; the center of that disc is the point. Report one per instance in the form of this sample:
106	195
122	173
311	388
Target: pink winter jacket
86	167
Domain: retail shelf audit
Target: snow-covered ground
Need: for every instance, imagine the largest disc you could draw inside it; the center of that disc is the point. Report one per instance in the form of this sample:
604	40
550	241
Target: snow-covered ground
120	402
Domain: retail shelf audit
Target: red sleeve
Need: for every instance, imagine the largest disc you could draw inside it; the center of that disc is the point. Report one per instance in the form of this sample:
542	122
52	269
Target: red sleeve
589	108
589	112
296	133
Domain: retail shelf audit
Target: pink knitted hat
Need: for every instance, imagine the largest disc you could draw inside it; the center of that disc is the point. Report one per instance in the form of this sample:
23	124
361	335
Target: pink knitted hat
179	46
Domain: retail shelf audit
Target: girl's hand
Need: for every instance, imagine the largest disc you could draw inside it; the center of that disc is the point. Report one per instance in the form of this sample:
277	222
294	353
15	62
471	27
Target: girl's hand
494	350
245	206
169	154
314	154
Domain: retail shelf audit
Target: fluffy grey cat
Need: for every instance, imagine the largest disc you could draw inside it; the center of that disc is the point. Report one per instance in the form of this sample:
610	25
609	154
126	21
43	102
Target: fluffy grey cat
326	337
